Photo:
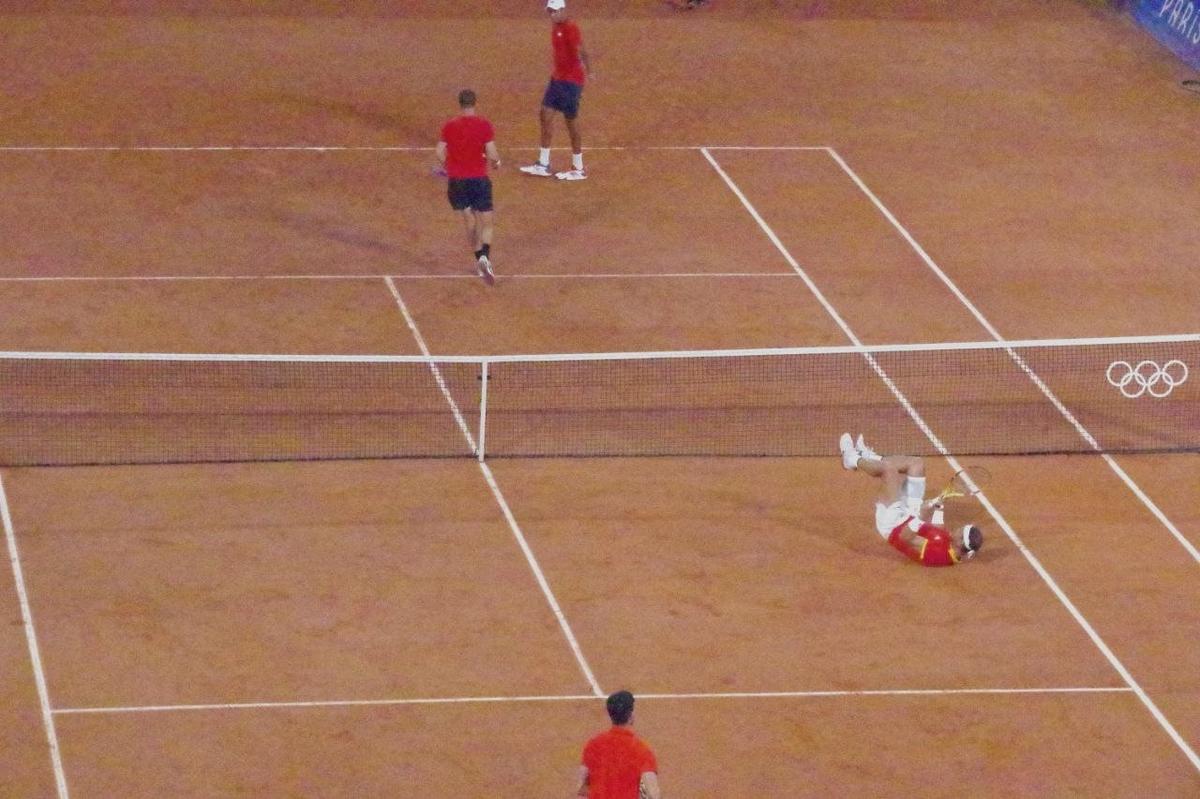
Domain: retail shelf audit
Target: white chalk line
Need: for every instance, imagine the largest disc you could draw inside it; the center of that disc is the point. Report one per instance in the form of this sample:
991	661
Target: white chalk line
372	277
472	700
35	656
350	148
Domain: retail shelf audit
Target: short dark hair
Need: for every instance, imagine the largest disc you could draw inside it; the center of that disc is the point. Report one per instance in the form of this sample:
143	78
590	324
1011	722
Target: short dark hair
466	98
620	707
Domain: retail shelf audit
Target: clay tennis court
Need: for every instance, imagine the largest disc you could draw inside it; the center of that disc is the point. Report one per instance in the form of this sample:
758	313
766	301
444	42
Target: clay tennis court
254	178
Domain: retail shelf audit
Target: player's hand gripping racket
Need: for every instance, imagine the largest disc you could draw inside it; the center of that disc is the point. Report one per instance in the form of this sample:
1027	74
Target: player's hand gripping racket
966	482
1192	85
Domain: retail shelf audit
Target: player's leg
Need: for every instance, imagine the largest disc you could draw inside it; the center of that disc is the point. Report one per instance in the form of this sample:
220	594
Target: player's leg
572	93
472	227
483	214
857	455
484	255
545	121
911	486
485	222
903	477
892	505
459	193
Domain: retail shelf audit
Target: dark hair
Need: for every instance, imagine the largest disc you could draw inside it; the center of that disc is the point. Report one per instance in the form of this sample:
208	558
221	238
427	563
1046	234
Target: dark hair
620	707
466	98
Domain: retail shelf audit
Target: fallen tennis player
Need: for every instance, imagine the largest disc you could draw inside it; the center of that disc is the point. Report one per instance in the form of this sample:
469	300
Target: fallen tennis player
902	516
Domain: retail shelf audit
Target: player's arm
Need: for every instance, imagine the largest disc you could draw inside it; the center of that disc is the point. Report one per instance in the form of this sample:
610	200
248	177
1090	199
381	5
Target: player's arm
441	153
931	511
649	785
582	790
583	59
492	153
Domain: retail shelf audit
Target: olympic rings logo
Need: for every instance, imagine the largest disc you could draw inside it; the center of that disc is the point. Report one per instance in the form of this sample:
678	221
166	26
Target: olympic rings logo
1147	377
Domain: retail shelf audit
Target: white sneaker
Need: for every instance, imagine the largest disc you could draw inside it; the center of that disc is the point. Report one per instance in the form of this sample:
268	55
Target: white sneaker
863	450
484	268
849	454
539	170
572	174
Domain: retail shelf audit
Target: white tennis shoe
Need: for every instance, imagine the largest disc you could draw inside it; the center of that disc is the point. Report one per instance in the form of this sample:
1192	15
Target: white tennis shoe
849	454
863	450
572	174
537	170
484	268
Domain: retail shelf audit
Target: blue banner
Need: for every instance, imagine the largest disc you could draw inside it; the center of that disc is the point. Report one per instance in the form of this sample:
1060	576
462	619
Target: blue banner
1175	23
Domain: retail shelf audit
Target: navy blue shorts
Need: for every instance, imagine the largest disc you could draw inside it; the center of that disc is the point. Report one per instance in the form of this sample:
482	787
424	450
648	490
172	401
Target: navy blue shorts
562	95
470	193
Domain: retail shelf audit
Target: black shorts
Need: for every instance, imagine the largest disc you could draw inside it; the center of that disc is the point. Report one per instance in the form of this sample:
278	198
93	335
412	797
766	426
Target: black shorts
473	193
562	95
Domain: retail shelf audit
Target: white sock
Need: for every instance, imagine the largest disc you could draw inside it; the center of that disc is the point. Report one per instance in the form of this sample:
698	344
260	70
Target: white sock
914	489
544	156
577	160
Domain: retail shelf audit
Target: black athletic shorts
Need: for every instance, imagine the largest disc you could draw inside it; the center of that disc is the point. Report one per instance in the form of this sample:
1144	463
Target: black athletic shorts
562	95
470	193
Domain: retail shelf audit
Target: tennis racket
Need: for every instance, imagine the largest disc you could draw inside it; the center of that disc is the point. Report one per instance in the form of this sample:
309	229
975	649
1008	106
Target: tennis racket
966	482
1192	85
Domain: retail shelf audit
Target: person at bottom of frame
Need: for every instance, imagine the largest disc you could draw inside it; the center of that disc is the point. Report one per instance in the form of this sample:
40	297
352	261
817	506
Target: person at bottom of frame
902	517
616	763
466	145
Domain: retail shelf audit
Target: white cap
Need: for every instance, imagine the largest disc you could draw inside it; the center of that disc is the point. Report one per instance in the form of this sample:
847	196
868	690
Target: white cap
556	5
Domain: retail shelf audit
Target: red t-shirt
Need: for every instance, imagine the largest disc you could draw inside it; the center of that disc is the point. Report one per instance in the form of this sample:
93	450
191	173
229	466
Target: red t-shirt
465	137
567	40
615	761
933	547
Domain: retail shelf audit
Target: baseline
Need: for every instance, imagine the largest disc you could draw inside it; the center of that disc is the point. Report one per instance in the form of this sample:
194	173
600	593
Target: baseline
467	700
357	148
528	276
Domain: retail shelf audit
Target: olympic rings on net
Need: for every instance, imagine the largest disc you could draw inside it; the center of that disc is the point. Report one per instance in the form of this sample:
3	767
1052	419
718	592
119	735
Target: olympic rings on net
1147	377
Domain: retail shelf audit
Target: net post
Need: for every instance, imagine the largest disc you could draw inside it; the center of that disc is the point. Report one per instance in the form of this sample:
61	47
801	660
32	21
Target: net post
483	392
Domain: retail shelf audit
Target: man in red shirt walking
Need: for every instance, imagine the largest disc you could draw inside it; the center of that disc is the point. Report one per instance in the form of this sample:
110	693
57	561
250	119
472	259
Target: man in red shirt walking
466	145
616	763
571	68
902	517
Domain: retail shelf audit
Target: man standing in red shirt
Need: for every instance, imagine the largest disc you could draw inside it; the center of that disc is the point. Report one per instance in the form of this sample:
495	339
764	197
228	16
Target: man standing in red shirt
616	763
467	142
571	68
902	517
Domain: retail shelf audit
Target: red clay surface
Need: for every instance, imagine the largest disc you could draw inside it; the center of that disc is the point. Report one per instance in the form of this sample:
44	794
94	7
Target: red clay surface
1060	203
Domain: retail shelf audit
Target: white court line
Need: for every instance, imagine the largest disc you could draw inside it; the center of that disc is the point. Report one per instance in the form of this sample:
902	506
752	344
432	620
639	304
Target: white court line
35	657
471	700
1083	432
1004	525
526	276
840	349
338	148
433	367
530	558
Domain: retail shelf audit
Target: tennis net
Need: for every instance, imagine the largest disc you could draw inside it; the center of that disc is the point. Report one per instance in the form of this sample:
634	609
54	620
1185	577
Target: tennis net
973	398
